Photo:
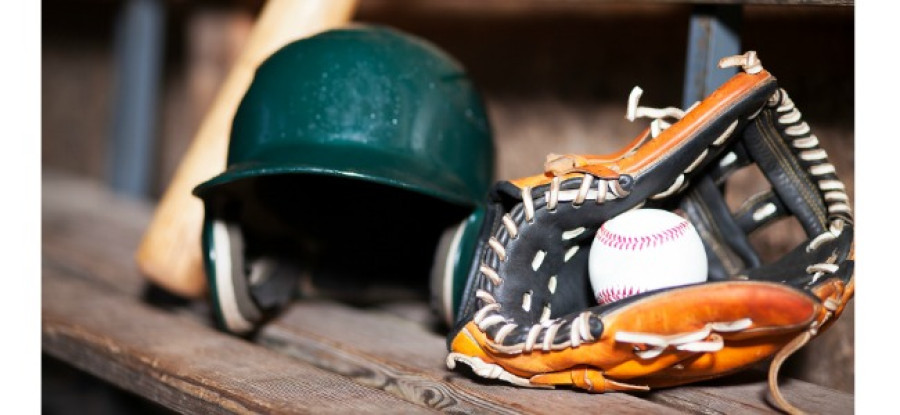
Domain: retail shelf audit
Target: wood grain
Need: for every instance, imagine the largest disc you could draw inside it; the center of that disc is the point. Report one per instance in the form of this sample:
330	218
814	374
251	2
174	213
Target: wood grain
747	393
87	228
184	366
383	351
303	331
168	253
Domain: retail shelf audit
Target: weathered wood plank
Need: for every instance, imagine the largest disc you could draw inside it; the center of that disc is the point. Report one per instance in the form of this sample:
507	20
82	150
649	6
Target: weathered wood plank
385	351
185	366
390	344
747	393
86	227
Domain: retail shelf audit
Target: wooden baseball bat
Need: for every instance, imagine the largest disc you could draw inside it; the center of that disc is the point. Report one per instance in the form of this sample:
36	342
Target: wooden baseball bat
169	253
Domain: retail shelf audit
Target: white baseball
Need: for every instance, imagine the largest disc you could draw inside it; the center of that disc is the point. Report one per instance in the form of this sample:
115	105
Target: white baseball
642	250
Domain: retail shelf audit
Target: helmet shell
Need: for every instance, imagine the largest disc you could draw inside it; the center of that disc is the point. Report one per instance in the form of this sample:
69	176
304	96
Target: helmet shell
368	103
348	155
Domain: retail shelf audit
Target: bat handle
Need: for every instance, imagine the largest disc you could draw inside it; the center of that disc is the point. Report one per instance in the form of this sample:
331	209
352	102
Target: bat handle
170	252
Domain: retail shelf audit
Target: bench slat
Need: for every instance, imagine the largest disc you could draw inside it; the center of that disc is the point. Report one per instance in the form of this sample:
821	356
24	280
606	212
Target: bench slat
747	393
384	351
185	366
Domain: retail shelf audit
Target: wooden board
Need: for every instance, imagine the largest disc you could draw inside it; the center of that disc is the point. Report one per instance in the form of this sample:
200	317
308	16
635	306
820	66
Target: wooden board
317	355
401	356
185	366
86	228
747	393
334	343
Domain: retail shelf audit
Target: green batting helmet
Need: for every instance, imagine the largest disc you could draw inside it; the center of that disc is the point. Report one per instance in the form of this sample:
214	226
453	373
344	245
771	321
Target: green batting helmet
350	154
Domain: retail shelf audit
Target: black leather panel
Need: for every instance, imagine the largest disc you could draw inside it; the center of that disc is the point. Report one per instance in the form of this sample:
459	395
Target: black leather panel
749	216
789	179
728	250
792	267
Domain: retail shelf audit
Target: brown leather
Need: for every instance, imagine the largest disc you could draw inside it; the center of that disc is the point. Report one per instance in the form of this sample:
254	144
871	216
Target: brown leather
558	165
706	112
735	356
777	312
747	313
634	161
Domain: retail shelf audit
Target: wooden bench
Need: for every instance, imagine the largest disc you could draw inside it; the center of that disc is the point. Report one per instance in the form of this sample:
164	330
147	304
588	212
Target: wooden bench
318	356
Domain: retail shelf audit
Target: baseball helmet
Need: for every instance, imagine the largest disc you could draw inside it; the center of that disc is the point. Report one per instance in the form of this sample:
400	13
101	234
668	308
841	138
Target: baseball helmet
352	152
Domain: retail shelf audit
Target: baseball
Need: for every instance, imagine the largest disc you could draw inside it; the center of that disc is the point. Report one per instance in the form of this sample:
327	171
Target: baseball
642	250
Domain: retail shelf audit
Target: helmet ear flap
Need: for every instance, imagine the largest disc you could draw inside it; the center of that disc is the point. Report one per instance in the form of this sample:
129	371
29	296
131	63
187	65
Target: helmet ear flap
244	290
453	257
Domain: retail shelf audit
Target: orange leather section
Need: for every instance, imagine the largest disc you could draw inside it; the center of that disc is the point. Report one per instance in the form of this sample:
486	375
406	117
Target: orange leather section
631	161
836	290
586	378
468	346
539	179
735	356
732	358
554	378
584	159
635	367
777	313
708	110
770	306
574	162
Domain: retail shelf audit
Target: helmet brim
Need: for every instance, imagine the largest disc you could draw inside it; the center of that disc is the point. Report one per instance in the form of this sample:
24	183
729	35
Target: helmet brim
408	174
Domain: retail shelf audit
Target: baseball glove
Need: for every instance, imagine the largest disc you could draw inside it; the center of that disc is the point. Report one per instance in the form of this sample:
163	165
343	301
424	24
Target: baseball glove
527	315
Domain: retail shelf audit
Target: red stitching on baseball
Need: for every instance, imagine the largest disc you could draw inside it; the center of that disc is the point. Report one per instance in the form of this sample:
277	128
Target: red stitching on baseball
608	295
633	243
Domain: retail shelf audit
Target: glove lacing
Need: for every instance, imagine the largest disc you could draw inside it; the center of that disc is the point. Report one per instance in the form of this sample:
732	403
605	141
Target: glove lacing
809	153
605	190
815	160
602	191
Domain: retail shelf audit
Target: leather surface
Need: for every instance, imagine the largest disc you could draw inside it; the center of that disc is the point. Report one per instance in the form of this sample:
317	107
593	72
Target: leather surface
530	317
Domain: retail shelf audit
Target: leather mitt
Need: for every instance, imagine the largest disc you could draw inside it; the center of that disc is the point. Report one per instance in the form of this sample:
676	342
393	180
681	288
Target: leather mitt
527	314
